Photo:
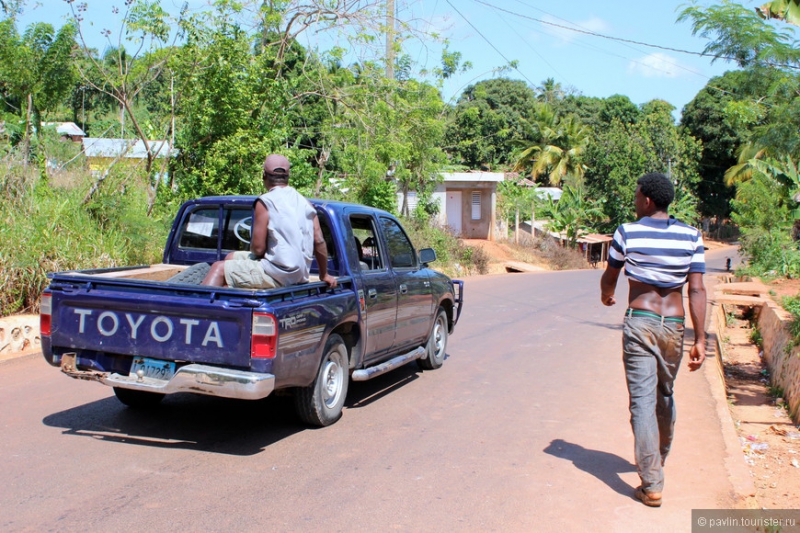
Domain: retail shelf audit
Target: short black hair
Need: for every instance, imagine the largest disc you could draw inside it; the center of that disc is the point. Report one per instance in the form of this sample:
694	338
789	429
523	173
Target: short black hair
658	188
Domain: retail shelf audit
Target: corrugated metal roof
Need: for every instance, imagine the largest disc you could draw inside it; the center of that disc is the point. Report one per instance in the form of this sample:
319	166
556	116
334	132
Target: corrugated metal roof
552	192
128	148
67	128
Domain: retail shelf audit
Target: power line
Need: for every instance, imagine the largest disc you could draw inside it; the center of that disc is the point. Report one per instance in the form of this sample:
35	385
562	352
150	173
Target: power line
620	39
490	43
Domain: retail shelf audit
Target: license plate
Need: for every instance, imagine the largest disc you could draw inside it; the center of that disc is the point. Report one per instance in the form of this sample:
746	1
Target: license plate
152	368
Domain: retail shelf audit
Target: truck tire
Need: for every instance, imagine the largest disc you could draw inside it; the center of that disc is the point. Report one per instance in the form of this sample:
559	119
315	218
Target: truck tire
437	343
321	403
192	275
138	399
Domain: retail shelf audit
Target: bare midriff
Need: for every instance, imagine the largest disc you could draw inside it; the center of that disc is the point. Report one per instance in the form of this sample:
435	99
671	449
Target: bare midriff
664	302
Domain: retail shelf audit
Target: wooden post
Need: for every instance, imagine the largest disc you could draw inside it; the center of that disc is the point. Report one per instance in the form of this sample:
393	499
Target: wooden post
516	227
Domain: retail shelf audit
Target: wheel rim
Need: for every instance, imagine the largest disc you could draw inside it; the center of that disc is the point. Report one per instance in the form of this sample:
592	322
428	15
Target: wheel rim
332	383
439	339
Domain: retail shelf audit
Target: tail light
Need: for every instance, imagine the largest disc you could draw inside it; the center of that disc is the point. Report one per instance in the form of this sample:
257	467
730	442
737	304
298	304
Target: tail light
264	339
45	310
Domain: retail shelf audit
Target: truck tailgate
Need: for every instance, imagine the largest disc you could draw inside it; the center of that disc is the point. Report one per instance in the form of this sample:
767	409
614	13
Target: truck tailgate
163	324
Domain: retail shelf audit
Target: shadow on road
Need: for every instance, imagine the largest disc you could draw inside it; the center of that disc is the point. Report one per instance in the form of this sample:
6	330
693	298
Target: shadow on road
603	465
363	393
204	423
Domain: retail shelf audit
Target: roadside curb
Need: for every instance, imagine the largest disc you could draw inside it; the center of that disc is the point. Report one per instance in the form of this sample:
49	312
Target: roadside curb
27	354
743	485
19	336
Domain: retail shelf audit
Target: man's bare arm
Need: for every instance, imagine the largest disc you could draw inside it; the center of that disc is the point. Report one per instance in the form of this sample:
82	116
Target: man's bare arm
697	310
608	284
259	231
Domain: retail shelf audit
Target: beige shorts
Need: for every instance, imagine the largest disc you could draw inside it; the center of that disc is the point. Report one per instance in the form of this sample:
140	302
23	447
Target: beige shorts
244	271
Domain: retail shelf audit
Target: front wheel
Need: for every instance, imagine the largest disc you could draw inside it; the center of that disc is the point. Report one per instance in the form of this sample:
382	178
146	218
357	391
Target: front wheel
322	402
138	399
437	343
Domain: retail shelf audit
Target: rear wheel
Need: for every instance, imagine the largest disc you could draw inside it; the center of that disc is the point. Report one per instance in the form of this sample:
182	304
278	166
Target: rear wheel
437	343
322	402
138	399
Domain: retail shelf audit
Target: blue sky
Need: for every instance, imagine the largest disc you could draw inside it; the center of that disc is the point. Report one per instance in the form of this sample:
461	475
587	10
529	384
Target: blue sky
490	33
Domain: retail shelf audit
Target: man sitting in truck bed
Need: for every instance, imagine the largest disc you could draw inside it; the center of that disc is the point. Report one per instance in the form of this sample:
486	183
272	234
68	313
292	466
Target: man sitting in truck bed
285	234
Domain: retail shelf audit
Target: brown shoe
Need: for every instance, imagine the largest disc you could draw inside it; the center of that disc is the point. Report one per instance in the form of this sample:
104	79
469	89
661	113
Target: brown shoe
650	499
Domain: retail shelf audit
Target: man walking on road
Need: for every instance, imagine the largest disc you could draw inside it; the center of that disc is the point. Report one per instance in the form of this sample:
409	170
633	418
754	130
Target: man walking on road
659	254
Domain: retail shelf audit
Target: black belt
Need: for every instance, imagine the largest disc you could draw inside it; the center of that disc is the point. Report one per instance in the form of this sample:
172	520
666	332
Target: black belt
639	312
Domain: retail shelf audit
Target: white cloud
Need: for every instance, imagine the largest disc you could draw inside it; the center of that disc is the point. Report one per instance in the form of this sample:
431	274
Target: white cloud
565	36
657	65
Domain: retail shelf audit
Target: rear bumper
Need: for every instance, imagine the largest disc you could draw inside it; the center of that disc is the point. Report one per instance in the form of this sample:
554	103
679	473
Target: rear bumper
199	379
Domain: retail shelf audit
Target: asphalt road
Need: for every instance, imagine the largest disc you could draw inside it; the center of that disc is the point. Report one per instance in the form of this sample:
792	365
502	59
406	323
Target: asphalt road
524	428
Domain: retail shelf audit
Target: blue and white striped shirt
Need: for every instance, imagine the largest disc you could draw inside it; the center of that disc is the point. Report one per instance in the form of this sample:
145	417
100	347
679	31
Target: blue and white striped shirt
657	251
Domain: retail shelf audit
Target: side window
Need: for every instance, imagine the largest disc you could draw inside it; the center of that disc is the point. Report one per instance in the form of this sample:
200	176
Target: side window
401	252
366	243
236	232
328	236
200	230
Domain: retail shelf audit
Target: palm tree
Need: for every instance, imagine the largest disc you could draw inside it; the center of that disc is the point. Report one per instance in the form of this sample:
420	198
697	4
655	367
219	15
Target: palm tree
558	153
574	214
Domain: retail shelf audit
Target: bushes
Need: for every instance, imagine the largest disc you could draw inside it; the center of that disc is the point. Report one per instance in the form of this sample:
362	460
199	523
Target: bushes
46	229
558	257
792	305
452	257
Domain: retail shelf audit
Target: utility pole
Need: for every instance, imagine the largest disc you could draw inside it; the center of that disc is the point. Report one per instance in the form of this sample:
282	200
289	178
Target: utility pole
390	39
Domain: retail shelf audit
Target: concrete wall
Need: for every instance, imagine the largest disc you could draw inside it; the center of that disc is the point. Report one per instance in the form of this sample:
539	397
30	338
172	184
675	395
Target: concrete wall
480	228
782	360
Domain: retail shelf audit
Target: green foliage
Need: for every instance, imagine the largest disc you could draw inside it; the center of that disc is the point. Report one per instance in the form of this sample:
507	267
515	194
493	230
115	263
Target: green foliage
489	120
513	197
452	257
36	70
574	214
756	338
558	149
623	152
765	220
736	33
792	305
45	229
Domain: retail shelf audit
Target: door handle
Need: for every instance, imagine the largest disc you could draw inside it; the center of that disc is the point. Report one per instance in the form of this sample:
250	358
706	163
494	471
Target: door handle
372	293
403	288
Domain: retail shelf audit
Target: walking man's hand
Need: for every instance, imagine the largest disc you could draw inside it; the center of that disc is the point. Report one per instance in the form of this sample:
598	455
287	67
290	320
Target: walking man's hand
696	356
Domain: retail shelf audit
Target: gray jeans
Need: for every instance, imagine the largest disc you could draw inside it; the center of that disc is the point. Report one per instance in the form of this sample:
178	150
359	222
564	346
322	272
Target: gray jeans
651	352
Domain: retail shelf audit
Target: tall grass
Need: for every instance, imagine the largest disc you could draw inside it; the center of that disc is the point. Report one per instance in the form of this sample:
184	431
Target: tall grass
46	228
452	256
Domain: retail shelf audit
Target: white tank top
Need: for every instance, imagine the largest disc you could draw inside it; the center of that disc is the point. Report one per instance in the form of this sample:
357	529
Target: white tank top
290	236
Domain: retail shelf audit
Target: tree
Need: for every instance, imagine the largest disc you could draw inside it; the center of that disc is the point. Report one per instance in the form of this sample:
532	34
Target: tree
489	120
550	92
621	152
704	118
574	214
619	107
558	150
787	10
36	69
740	35
136	59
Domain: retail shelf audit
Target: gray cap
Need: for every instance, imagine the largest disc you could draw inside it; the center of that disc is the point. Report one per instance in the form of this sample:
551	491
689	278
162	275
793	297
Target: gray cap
276	165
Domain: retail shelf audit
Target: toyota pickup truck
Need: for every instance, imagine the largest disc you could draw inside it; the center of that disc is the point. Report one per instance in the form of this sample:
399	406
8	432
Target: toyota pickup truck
148	331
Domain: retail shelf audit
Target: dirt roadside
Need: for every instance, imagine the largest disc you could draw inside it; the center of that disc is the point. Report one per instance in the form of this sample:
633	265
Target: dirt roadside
769	439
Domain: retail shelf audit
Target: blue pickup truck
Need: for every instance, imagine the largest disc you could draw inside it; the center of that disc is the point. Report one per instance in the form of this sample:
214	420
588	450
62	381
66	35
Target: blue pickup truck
153	330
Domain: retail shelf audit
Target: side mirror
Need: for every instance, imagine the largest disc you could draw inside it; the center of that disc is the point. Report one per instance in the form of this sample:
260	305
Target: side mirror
427	255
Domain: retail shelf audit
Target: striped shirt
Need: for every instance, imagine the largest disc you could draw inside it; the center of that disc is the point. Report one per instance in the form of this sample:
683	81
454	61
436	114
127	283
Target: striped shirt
659	252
